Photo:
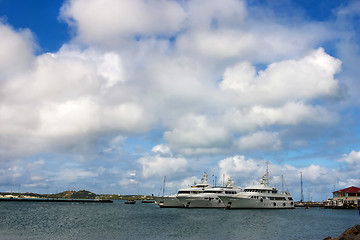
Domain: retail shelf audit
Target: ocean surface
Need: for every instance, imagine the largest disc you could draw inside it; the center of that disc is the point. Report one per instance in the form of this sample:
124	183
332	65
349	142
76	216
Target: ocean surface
34	220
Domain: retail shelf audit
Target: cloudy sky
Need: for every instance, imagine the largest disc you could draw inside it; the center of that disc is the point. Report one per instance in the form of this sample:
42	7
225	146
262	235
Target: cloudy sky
111	96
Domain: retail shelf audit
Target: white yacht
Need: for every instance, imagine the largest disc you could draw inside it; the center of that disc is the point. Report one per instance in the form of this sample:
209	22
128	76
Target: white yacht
172	201
259	196
209	198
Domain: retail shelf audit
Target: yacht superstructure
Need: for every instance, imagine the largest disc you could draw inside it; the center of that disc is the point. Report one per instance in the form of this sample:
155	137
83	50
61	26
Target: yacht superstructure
259	196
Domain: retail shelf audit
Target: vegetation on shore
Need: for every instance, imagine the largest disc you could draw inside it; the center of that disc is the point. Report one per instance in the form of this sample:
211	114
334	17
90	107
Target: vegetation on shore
82	194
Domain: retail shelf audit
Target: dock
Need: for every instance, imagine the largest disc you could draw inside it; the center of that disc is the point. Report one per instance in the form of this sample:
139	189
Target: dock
325	205
55	200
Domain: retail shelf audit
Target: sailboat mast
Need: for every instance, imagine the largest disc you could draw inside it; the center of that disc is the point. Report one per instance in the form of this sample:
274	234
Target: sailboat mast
302	194
164	186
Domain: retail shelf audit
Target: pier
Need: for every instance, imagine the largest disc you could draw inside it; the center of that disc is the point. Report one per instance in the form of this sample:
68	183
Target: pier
324	204
55	200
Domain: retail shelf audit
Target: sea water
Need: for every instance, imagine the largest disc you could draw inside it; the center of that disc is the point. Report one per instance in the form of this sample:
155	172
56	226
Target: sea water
37	220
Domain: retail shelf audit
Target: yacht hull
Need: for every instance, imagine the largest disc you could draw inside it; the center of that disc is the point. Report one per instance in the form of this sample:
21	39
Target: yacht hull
238	202
168	202
200	202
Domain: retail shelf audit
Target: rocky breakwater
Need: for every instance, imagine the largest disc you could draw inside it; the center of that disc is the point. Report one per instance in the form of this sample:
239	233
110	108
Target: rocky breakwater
352	233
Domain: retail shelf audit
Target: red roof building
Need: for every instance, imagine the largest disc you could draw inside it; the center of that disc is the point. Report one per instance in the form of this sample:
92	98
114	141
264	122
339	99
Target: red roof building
349	195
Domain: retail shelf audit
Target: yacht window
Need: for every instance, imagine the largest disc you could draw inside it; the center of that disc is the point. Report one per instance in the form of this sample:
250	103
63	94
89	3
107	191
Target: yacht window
184	192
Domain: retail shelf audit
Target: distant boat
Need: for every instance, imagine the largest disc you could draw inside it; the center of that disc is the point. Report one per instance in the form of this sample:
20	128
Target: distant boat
148	201
130	201
260	196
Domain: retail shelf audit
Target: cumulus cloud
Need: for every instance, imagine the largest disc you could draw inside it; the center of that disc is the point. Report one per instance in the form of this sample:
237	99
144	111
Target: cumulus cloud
265	141
194	134
74	174
353	158
215	14
218	44
162	149
65	98
351	165
129	178
108	21
311	77
291	114
16	51
159	165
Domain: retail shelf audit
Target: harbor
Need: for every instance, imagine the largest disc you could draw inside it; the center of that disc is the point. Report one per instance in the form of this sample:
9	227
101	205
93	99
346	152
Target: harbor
147	221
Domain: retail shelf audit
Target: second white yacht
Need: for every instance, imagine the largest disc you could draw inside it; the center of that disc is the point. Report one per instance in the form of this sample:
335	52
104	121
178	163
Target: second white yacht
209	198
259	196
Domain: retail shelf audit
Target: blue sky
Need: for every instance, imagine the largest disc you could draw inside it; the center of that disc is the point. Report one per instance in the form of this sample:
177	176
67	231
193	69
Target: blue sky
111	96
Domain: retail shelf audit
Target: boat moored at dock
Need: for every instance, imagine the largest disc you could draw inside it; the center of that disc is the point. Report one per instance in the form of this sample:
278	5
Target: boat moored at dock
209	197
260	196
172	201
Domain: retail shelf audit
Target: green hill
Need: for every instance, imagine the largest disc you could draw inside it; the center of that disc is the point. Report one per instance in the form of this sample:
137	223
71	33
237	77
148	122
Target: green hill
82	194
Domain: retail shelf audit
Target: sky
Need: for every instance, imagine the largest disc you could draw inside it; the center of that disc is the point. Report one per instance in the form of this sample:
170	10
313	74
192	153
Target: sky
111	96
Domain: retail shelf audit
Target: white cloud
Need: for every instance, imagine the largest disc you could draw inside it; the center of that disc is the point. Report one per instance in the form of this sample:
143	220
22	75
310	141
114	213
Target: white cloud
111	69
195	134
263	141
215	14
110	20
129	178
73	174
238	165
351	166
157	165
353	158
162	150
54	78
70	118
291	114
218	44
16	51
65	95
311	77
36	164
128	181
